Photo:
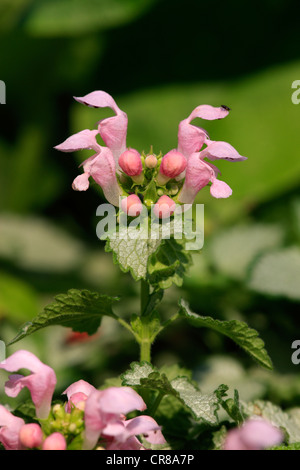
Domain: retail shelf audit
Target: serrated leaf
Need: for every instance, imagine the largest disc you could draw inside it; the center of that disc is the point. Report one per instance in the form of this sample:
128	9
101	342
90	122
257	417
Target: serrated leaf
80	310
246	337
277	273
295	446
169	264
275	416
131	250
203	407
154	299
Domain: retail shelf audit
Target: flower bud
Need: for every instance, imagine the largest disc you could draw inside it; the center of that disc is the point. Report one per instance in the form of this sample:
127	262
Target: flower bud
151	161
76	400
55	441
31	435
131	163
132	205
164	207
172	165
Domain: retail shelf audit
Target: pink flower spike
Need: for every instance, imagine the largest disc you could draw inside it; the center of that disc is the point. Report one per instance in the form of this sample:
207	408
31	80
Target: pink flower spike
82	140
255	434
41	382
113	130
191	138
132	205
55	441
164	207
172	165
104	411
10	426
221	150
31	435
131	163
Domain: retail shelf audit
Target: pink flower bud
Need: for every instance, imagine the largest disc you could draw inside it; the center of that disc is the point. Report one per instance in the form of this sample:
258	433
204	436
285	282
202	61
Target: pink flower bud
164	207
172	164
31	435
132	205
131	163
151	161
77	400
55	441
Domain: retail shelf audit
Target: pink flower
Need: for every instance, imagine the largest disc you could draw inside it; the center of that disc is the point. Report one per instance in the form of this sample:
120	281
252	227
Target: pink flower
132	205
41	382
199	172
255	434
101	166
105	412
10	427
131	163
164	207
77	394
172	165
55	441
31	435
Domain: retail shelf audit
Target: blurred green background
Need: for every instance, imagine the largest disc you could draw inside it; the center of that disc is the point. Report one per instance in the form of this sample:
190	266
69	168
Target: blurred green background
159	59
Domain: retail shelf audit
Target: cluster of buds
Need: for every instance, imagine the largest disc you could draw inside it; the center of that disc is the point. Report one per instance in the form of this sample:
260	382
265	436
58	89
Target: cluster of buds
88	419
130	179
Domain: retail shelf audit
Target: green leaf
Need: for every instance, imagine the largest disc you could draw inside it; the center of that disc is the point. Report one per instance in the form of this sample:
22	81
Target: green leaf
275	416
233	408
131	249
203	407
18	300
295	446
246	337
169	264
277	273
154	299
76	17
80	310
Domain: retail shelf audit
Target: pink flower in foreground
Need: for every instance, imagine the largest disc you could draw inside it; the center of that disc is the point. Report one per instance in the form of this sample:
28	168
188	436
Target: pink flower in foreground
132	205
31	435
199	172
172	165
55	441
164	207
77	394
10	427
255	434
105	412
41	382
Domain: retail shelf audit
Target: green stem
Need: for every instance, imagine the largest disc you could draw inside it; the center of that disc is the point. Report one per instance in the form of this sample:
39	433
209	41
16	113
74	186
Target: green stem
156	403
145	292
145	354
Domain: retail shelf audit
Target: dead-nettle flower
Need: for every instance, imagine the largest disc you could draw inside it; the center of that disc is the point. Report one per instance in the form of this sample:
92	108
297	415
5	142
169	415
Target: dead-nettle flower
185	165
31	435
41	382
10	427
254	434
56	441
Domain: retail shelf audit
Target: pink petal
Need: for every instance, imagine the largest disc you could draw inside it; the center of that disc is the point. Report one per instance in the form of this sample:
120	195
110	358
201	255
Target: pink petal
82	140
198	175
113	130
81	182
191	138
10	427
41	383
260	434
221	150
147	426
103	171
120	400
81	386
130	444
219	189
